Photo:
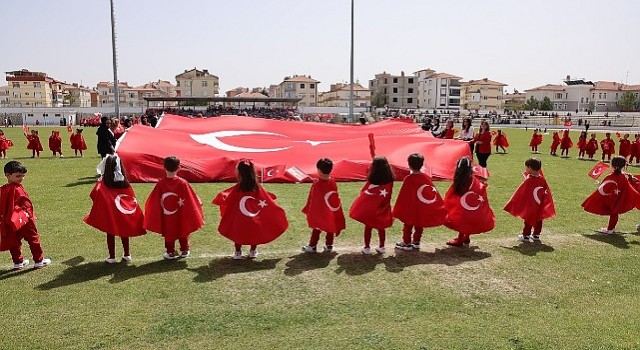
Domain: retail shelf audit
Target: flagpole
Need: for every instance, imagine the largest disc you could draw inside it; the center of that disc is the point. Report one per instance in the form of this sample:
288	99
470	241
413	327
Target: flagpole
351	69
115	62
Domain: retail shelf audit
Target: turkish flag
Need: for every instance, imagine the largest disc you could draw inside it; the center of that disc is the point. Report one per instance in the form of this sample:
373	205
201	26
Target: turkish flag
25	128
470	213
419	203
568	123
598	170
115	211
532	201
210	147
250	218
482	173
271	173
324	208
372	146
614	195
69	128
173	209
373	206
18	219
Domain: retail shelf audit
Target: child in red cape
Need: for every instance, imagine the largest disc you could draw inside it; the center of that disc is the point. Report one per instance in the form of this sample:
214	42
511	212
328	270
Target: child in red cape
17	219
4	145
634	152
418	205
78	143
249	214
592	146
565	144
555	143
625	147
608	147
115	210
323	208
501	141
55	143
582	144
536	140
34	143
532	201
174	210
468	210
373	206
614	196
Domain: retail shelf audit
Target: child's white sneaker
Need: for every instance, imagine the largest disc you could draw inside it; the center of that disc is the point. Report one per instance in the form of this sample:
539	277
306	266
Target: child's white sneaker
110	260
126	258
237	255
380	250
21	265
252	254
403	246
185	254
535	238
328	248
42	263
523	238
604	230
309	249
365	251
168	256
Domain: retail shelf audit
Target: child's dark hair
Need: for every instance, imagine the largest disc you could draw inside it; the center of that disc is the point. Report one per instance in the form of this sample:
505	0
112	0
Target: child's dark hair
247	176
380	172
110	163
533	163
618	163
463	176
416	161
171	163
607	134
325	165
79	131
13	166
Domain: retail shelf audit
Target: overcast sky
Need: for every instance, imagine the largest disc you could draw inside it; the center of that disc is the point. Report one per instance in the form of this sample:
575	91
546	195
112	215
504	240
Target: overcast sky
257	43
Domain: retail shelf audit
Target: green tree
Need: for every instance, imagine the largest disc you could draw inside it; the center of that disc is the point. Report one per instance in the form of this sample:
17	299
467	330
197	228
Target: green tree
531	104
627	102
546	104
378	100
592	106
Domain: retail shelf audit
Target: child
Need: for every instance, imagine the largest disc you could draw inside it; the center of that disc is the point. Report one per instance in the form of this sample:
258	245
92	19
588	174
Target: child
625	147
555	143
55	143
373	206
592	146
17	219
532	201
536	139
501	141
418	205
173	210
467	205
78	143
248	214
34	143
634	152
608	147
115	210
4	145
323	213
565	144
582	144
614	196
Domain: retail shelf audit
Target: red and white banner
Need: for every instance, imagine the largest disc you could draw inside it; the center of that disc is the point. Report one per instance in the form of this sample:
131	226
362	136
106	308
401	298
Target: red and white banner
598	170
209	148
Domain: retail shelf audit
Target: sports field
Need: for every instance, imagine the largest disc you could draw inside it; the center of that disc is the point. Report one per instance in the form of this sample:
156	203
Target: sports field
576	290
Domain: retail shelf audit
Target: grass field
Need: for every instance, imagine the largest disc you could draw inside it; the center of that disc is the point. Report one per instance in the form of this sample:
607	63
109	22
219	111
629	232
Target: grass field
576	290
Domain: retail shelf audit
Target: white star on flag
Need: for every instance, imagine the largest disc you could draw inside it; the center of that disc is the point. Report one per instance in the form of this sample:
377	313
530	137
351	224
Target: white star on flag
262	203
181	202
383	193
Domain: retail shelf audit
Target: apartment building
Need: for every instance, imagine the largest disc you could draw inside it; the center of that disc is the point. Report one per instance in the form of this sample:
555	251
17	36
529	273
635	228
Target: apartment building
106	94
483	94
438	90
197	83
339	96
160	88
4	96
75	95
399	91
33	89
300	86
514	101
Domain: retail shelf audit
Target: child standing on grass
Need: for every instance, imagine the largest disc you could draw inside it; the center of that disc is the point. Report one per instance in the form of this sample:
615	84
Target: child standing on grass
555	143
582	144
323	208
173	210
418	205
467	205
78	143
55	143
115	210
532	201
565	144
4	145
249	214
17	219
373	206
536	140
592	146
34	143
501	141
634	152
625	147
608	147
614	196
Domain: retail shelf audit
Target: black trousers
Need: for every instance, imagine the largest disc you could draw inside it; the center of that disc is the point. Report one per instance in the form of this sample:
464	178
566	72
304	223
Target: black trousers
482	159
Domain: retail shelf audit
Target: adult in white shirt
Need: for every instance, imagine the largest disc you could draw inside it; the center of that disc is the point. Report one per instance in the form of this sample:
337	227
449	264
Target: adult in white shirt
466	132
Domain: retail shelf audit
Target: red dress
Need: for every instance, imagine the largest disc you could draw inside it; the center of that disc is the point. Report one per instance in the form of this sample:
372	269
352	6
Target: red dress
555	143
115	211
608	146
582	144
566	142
633	151
34	143
532	201
419	204
77	142
625	148
324	208
592	147
4	143
55	142
470	213
615	195
373	206
536	139
501	140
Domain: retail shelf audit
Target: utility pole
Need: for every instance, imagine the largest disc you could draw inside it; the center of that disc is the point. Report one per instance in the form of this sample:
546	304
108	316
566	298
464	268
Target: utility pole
115	62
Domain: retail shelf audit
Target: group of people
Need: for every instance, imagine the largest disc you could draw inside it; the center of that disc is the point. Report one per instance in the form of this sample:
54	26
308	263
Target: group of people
587	147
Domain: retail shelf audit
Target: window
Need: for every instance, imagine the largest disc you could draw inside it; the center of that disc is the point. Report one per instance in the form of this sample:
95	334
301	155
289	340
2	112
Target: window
581	99
205	94
443	102
429	93
409	100
312	86
104	93
289	86
178	84
395	90
36	84
385	91
132	95
593	96
565	106
410	90
15	85
16	95
410	81
599	95
26	93
395	99
104	101
558	96
385	80
395	80
605	95
302	86
443	92
37	95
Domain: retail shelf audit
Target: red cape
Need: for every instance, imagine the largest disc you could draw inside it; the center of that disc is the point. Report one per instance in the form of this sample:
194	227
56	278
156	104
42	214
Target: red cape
250	218
608	146
173	209
592	146
78	142
532	201
12	196
55	143
34	143
501	140
323	209
625	148
373	206
536	139
566	141
419	203
115	211
556	141
615	195
582	143
470	213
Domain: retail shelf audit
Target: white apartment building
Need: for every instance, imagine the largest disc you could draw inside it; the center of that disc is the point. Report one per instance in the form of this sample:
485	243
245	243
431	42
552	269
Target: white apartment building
438	90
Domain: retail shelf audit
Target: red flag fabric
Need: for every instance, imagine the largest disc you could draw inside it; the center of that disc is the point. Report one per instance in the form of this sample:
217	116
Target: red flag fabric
615	195
55	142
271	173
4	143
12	197
532	201
556	142
470	213
625	148
115	211
250	218
536	139
297	175
568	123
372	146
592	146
598	170
501	140
482	173
419	203
209	147
608	146
34	143
78	142
566	141
69	128
173	209
324	208
373	206
25	128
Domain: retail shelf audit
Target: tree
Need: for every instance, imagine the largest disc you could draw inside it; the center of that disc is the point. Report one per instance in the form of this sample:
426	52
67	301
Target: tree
378	100
592	106
546	104
532	104
627	102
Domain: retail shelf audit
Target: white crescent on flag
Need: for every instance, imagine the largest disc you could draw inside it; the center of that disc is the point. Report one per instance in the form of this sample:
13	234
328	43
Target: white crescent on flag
465	205
121	208
421	197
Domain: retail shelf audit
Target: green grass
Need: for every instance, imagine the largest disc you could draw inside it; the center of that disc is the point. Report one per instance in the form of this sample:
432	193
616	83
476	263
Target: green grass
576	290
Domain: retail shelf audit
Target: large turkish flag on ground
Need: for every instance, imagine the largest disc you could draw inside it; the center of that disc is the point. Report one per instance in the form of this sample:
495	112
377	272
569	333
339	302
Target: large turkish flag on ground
209	148
532	201
173	209
615	195
324	208
373	206
115	211
419	203
470	213
250	218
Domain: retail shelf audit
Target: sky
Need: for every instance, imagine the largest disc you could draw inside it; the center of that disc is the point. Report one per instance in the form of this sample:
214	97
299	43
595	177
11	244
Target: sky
251	43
